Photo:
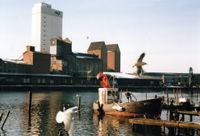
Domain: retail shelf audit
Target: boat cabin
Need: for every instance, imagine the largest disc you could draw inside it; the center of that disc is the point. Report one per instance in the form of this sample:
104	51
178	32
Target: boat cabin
108	95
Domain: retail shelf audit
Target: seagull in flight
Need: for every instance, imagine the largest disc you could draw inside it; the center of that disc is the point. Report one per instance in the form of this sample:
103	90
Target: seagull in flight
65	117
139	64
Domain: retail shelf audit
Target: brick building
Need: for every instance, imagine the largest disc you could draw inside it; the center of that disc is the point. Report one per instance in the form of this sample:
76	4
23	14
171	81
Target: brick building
40	61
32	62
99	49
110	55
113	57
64	61
14	66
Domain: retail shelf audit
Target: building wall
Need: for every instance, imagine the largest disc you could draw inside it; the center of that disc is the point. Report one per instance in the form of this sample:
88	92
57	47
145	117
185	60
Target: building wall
96	52
99	49
113	58
11	67
117	61
28	57
56	65
111	61
88	67
46	24
64	61
40	61
60	48
63	66
76	66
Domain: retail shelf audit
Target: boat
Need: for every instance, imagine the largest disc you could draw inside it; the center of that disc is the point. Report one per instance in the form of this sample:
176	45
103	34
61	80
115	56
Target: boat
179	102
109	103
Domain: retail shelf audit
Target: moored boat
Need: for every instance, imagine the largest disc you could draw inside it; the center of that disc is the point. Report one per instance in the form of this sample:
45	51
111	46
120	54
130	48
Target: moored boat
109	103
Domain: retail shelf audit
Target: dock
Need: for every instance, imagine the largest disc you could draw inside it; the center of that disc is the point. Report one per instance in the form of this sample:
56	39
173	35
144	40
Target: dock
191	113
154	122
175	120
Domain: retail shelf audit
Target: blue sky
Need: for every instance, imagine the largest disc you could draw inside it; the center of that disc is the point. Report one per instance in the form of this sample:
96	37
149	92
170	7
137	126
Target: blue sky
168	31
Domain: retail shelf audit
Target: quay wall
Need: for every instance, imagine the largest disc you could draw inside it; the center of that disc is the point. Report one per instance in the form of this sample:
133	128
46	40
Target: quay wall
20	80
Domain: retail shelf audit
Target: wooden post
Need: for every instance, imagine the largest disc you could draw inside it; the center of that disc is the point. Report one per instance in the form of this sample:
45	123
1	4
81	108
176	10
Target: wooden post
146	96
167	98
177	96
183	117
1	117
170	115
5	120
78	102
29	105
190	118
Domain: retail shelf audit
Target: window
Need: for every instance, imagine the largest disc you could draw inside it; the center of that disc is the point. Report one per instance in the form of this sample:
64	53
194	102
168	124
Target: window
43	81
38	81
26	80
51	81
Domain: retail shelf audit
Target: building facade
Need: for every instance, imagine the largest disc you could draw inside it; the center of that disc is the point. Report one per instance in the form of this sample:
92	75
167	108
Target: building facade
40	61
9	66
64	61
99	49
87	65
46	24
110	55
113	57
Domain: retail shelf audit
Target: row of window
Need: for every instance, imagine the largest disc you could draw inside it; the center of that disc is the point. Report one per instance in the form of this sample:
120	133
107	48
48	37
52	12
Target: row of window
44	81
8	67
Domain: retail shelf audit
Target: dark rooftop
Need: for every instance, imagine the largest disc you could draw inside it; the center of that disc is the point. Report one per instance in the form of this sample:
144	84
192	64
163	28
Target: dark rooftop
85	56
96	45
112	47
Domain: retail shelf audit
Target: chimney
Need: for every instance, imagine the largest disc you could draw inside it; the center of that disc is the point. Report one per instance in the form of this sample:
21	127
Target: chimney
30	48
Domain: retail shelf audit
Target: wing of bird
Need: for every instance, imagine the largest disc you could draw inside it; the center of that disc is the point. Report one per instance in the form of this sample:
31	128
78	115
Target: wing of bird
141	57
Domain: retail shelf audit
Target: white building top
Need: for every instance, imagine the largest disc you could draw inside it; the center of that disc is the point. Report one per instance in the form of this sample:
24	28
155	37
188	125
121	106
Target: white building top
47	9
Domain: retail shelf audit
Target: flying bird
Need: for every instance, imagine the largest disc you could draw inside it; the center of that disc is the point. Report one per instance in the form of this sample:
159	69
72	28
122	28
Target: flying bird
139	64
65	116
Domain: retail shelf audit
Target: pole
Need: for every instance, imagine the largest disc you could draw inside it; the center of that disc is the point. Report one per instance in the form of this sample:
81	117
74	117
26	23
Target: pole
5	120
1	117
167	98
146	96
78	101
29	105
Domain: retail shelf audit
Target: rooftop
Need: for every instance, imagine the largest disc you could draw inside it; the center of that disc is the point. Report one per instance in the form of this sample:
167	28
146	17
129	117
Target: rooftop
85	56
112	47
96	45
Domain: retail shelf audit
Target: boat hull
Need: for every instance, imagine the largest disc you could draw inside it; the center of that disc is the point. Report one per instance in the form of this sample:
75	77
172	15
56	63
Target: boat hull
149	108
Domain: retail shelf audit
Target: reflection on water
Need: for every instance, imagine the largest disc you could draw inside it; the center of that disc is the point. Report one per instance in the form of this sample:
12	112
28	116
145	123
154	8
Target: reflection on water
46	104
111	125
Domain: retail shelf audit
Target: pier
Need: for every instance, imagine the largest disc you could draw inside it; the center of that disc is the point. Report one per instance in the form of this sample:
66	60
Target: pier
174	122
154	122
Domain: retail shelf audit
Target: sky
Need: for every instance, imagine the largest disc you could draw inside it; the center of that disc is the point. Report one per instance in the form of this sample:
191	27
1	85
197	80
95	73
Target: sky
168	31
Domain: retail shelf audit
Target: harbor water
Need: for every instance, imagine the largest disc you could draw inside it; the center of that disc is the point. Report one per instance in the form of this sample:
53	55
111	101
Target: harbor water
46	104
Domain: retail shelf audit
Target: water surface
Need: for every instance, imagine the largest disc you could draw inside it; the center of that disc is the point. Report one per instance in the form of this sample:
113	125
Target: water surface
46	104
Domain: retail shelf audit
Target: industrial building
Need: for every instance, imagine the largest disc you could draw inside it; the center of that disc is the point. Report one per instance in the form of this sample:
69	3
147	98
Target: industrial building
46	24
110	55
113	58
40	62
13	66
64	61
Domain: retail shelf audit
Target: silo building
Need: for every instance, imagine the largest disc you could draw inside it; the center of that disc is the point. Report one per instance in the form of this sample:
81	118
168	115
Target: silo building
113	57
46	24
